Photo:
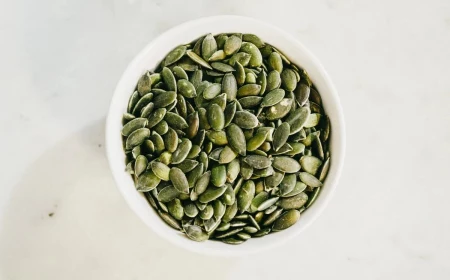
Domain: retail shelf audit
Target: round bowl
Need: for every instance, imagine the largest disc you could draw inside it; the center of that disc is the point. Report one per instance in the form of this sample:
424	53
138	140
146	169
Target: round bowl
151	56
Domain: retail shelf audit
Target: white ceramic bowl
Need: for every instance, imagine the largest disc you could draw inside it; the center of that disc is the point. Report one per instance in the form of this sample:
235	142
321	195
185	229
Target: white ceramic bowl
151	56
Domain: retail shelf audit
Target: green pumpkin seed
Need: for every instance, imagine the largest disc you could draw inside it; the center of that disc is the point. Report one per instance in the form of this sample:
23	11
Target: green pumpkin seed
273	80
207	213
253	39
144	101
232	45
233	169
136	138
134	125
194	175
286	220
313	120
203	119
229	113
256	141
223	227
249	90
176	209
324	171
165	99
310	180
187	165
127	117
218	175
250	229
272	217
198	46
208	147
190	210
310	164
175	55
145	112
299	187
228	233
267	203
228	196
140	165
147	182
179	73
314	96
293	202
219	209
221	39
179	180
211	194
196	79
262	232
275	62
287	184
209	46
171	140
258	199
246	195
194	152
240	73
273	97
217	56
257	161
217	137
197	59
227	155
220	100
236	138
160	170
133	101
250	48
288	79
319	148
169	79
175	121
165	158
271	209
229	86
202	183
211	224
245	119
212	91
186	88
302	94
182	151
200	206
242	57
326	128
250	101
144	84
222	67
169	220
230	212
195	233
130	167
156	116
286	164
216	117
313	197
238	223
246	170
279	110
280	135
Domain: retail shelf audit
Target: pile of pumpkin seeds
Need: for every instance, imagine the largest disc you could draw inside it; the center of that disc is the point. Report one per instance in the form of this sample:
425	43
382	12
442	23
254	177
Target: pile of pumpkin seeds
227	139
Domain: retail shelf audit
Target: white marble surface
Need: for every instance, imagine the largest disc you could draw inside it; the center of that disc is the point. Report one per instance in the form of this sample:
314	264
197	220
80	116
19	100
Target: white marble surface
60	61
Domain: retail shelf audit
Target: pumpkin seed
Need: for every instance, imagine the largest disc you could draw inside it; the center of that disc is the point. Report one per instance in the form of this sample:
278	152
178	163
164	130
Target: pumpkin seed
249	90
286	220
182	151
287	184
242	57
222	67
273	80
232	45
299	187
256	141
179	73
246	195
217	137
230	212
211	194
175	209
302	94
281	135
228	233
223	227
207	213
275	62
233	170
310	164
228	196
262	232
190	210
258	162
169	220
197	59
240	73
134	125
324	171
216	117
310	180
136	138
293	202
209	46
279	110
195	233
250	48
272	98
272	217
286	164
175	55
245	119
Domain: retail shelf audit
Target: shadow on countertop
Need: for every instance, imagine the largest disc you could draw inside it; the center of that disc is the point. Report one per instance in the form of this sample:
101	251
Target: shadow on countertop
66	220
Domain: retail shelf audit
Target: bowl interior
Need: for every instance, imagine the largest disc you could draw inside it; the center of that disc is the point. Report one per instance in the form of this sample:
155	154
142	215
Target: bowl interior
151	56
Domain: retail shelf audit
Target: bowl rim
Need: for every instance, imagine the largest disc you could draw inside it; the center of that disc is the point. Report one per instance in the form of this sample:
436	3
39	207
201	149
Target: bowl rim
338	122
